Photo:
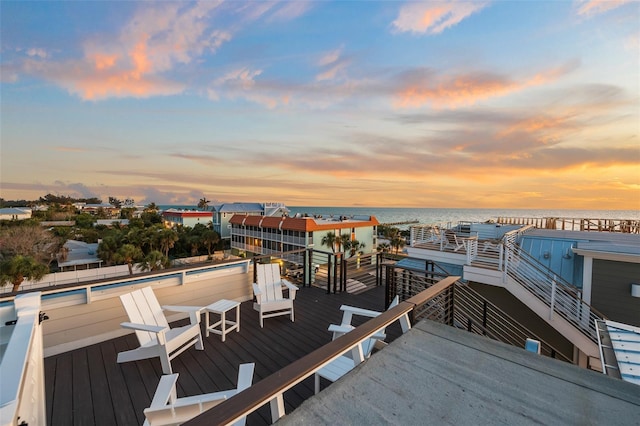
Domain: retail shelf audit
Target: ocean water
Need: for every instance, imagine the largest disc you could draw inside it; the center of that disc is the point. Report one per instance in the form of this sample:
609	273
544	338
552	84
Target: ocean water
428	216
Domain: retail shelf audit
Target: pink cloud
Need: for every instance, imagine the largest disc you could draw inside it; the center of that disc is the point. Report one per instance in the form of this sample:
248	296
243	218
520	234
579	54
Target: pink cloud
594	7
332	65
434	17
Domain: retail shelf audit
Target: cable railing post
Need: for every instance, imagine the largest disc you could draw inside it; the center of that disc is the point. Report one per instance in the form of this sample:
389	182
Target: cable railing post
328	273
335	272
452	305
343	274
484	317
553	297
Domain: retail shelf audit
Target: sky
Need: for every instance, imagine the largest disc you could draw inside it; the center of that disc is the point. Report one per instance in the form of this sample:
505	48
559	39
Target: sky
481	104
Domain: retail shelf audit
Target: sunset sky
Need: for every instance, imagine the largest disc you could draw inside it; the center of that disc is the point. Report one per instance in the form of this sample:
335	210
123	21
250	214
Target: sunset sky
492	104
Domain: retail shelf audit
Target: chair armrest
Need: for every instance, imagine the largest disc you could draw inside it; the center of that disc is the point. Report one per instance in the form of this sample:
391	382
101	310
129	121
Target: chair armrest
193	311
256	289
257	293
342	329
143	327
359	311
165	392
292	289
289	285
182	308
339	330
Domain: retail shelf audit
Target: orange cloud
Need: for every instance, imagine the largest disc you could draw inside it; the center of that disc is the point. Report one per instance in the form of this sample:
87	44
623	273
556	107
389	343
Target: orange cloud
549	128
157	38
434	17
441	91
104	61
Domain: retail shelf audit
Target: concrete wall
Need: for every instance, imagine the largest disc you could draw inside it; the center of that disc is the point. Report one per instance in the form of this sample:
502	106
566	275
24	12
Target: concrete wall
611	290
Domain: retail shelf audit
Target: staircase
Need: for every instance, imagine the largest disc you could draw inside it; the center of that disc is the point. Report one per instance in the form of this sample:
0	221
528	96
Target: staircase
552	298
556	301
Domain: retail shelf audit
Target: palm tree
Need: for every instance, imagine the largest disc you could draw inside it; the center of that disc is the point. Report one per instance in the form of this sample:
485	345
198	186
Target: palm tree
209	239
203	203
128	254
153	261
107	249
344	241
397	242
151	208
356	246
330	241
384	247
18	268
167	238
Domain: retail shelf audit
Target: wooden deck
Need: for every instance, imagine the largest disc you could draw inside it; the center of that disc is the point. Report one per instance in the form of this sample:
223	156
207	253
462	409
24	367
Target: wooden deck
88	387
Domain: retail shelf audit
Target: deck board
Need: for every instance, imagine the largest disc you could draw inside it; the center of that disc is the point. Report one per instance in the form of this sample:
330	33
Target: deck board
87	386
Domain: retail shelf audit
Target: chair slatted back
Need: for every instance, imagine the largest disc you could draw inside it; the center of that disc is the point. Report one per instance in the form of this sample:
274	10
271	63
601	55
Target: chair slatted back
142	307
269	281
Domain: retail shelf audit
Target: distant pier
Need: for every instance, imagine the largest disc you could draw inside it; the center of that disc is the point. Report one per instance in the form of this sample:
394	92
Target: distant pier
406	222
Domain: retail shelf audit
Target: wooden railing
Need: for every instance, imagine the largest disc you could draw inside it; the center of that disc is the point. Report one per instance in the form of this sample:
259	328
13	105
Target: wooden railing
271	389
628	226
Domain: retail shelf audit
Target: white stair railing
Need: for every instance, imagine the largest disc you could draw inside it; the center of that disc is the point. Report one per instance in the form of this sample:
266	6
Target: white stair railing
561	297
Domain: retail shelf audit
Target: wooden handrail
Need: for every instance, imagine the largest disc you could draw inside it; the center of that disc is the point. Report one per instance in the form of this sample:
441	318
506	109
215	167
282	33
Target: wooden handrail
428	294
277	383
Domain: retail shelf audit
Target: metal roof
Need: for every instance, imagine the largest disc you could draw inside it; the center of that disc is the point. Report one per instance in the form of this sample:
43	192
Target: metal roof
625	340
238	207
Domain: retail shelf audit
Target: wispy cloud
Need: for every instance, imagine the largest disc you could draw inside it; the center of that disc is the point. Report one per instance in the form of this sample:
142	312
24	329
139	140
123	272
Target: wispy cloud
68	149
434	17
595	7
36	51
421	87
241	84
332	65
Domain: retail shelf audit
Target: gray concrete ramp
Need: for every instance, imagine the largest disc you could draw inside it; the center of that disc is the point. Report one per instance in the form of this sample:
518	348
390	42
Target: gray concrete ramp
435	374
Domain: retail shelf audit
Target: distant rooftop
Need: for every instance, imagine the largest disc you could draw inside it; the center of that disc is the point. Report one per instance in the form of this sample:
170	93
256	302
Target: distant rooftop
268	209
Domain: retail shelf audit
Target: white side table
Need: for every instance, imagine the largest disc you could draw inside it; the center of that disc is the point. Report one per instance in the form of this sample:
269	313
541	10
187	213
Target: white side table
221	307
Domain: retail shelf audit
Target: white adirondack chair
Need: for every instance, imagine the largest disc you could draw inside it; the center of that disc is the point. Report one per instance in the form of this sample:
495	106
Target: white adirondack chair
270	301
347	362
156	338
451	241
167	409
377	339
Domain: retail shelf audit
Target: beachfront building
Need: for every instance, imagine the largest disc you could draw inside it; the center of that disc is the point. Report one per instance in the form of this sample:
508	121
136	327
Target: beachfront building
178	217
15	213
269	235
222	214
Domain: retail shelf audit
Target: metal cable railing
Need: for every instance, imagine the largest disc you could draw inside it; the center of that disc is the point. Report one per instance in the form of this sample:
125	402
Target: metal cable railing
462	307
